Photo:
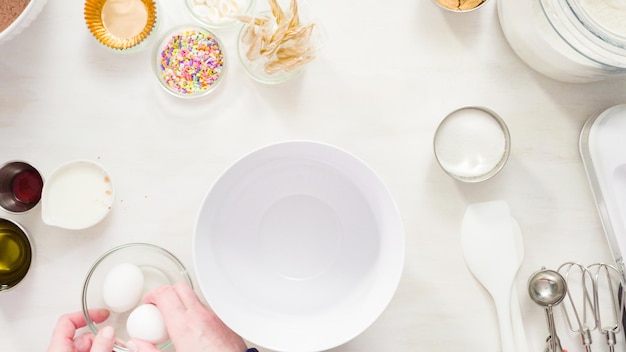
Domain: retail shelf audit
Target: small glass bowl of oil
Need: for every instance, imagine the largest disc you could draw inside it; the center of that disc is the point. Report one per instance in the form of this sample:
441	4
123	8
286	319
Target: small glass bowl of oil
17	254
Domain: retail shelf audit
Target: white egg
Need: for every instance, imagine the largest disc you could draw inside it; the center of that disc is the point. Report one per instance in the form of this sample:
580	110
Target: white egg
146	323
123	287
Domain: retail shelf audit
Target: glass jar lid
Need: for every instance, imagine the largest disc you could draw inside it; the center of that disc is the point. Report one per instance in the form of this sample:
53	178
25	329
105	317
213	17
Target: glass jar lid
595	29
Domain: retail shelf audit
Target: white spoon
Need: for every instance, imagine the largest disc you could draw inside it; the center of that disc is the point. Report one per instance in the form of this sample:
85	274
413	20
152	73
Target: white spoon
489	248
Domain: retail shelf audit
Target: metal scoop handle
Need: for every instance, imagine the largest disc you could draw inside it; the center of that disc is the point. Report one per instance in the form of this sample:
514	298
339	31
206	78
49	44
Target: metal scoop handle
553	345
553	340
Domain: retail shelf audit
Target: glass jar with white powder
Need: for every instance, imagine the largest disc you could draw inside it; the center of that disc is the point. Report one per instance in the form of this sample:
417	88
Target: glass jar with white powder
568	40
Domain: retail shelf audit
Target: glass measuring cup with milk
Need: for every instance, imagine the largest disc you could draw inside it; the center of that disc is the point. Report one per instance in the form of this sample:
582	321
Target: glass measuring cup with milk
568	40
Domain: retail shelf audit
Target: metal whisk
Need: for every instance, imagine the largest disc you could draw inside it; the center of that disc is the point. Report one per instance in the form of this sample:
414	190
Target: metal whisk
579	306
608	281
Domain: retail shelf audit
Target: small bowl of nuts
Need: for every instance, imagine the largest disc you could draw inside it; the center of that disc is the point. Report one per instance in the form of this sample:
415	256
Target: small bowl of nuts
460	5
275	46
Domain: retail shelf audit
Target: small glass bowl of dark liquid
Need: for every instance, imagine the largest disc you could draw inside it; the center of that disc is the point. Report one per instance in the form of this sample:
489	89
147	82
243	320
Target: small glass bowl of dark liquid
20	186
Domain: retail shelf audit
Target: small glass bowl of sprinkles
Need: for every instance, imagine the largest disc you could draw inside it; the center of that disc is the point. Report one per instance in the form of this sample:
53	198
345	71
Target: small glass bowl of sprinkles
189	62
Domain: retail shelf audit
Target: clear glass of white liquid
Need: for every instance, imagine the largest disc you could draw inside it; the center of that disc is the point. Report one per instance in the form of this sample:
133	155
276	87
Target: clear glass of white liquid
472	144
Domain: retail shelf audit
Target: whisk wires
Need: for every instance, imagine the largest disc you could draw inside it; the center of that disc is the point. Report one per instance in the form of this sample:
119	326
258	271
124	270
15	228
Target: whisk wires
608	315
579	307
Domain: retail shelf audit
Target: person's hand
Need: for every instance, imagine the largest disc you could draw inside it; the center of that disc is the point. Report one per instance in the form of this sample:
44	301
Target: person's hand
64	339
192	327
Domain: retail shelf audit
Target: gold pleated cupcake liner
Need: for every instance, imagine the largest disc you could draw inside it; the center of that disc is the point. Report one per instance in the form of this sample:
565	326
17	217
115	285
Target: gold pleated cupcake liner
93	19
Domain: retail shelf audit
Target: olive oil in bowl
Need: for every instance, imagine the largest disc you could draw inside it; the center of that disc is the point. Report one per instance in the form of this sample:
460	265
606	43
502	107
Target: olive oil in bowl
15	254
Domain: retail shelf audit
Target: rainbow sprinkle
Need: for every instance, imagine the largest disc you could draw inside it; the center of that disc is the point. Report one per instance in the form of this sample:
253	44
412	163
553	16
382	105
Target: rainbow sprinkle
191	62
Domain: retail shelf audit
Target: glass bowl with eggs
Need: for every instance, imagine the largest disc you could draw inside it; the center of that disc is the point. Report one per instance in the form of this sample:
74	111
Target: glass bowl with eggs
118	281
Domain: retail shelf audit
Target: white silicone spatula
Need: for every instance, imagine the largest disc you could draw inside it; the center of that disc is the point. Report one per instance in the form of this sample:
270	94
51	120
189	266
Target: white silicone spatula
489	248
516	314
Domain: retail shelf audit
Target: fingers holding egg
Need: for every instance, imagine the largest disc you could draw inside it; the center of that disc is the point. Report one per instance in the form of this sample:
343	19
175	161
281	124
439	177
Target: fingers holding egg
146	323
123	287
126	291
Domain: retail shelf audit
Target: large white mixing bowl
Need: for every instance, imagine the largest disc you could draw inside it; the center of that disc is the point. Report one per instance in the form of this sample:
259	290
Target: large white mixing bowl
298	246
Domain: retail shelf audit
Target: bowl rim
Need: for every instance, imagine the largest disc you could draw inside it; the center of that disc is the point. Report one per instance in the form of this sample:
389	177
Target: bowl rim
22	19
144	245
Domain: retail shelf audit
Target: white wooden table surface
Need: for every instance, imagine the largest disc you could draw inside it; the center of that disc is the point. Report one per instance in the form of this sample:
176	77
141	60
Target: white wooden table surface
389	73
